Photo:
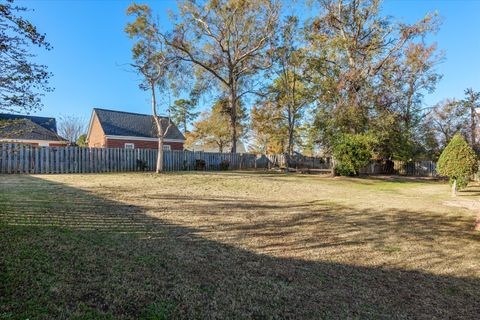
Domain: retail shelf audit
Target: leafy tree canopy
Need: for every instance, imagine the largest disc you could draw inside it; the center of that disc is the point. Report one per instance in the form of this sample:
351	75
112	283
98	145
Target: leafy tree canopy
213	130
23	82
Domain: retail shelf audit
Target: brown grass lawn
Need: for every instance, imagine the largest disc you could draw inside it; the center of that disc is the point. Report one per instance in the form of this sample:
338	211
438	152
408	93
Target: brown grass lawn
235	245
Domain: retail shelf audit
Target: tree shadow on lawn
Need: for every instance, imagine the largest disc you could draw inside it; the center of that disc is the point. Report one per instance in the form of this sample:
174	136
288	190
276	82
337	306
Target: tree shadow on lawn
373	224
372	179
361	179
470	191
69	253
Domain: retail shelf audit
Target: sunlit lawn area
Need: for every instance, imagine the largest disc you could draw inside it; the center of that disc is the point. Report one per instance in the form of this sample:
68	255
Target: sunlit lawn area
235	245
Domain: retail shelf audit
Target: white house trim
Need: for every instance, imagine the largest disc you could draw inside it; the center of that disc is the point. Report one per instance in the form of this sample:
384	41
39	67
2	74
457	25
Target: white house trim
141	138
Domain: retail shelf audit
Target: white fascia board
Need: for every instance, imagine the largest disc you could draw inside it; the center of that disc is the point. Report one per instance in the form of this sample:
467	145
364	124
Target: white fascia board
142	138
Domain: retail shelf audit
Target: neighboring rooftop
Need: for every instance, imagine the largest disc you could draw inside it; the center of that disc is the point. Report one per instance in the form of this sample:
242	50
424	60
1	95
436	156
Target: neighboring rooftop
15	126
120	123
46	122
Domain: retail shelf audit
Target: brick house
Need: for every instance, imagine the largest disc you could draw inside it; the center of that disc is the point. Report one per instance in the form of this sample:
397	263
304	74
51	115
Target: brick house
118	129
35	131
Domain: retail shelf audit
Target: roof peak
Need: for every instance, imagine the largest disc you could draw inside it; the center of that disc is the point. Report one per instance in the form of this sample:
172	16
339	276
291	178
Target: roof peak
121	123
128	112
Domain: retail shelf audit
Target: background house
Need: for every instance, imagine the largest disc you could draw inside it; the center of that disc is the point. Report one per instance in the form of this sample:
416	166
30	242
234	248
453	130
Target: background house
37	131
118	129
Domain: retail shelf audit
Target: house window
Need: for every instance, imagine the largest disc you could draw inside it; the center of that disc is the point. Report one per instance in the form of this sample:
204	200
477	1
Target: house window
129	146
167	147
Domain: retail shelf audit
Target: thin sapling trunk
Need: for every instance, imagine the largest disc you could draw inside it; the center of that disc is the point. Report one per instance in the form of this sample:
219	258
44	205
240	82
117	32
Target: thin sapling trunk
161	133
454	188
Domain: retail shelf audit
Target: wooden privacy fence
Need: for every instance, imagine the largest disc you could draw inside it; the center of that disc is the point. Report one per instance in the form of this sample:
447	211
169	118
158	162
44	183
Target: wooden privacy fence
403	168
304	162
21	158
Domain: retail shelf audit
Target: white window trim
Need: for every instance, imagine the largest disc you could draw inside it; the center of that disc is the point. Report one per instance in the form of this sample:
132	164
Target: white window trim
129	146
167	147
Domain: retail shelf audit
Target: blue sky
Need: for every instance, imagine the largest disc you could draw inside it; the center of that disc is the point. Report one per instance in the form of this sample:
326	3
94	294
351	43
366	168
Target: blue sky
91	52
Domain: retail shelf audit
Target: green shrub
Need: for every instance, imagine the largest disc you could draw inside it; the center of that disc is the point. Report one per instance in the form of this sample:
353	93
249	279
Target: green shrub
142	165
352	152
200	164
224	165
458	161
82	141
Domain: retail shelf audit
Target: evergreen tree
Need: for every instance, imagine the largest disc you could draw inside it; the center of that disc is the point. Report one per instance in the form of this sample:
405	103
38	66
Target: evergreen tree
182	112
458	162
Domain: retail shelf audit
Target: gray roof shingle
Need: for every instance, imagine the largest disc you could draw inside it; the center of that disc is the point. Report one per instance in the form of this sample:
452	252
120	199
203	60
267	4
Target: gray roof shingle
13	126
120	123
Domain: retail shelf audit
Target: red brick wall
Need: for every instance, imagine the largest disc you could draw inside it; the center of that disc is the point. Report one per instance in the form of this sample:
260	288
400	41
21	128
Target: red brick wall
120	143
97	137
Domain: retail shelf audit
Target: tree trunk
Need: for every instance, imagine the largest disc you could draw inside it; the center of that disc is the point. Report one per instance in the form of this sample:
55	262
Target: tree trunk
290	141
160	155
473	125
454	188
159	167
233	116
291	129
333	167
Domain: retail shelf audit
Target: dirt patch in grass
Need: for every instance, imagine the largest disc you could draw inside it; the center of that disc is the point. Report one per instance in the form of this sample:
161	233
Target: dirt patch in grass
234	245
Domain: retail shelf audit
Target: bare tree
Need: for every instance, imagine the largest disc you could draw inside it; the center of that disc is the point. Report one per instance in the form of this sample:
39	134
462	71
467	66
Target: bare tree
289	90
228	40
472	102
448	118
71	127
153	62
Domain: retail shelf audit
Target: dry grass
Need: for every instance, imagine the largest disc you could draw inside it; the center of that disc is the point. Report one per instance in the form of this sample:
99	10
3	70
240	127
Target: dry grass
237	246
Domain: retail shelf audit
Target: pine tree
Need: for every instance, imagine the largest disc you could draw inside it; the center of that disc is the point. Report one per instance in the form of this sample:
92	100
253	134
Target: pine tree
183	113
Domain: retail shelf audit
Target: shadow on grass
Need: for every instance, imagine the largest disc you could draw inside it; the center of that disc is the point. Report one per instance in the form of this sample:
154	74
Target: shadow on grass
369	180
68	253
372	179
469	191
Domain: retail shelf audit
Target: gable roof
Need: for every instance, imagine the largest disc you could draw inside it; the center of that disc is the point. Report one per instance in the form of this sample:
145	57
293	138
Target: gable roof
128	124
15	126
